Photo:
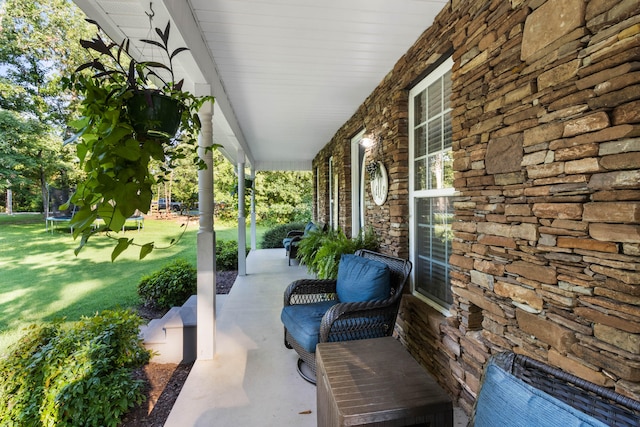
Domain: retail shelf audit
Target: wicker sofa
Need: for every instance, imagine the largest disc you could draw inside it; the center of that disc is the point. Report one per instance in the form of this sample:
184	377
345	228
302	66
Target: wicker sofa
520	391
326	310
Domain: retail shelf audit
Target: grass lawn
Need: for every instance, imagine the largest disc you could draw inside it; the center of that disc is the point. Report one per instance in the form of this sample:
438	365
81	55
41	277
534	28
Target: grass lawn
43	280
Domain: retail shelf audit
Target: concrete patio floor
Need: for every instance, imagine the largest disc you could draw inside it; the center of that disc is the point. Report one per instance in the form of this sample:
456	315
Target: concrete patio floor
252	381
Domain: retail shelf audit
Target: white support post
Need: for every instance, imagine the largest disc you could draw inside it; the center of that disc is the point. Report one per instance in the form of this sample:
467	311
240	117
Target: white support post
206	299
242	221
253	211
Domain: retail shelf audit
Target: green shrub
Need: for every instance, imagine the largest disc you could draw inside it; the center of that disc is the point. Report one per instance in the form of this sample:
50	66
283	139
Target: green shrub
170	286
272	238
77	375
321	250
227	255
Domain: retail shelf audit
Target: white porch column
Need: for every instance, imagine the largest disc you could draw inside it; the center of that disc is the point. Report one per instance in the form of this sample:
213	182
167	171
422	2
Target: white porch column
253	211
206	299
242	221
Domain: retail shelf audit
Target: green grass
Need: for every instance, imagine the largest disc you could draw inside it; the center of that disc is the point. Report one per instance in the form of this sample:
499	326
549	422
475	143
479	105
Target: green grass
43	280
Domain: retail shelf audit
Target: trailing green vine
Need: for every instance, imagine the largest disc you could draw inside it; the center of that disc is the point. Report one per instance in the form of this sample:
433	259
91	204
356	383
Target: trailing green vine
114	155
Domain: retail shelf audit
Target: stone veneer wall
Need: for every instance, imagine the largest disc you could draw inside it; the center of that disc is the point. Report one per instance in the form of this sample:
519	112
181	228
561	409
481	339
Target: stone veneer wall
546	253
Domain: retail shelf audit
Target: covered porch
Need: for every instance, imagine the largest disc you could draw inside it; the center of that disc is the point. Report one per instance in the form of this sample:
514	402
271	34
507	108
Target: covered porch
252	379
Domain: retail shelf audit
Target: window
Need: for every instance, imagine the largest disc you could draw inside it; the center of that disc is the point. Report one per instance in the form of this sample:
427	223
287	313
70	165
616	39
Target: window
357	184
431	186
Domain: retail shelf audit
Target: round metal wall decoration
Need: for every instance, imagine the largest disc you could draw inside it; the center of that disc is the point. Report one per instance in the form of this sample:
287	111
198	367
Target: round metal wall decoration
380	185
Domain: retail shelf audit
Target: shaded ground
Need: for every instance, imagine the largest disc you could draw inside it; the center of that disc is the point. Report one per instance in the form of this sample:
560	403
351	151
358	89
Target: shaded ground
164	381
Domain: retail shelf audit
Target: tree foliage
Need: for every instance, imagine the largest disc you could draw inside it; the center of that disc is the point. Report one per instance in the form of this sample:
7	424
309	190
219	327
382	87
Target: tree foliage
38	45
29	155
283	196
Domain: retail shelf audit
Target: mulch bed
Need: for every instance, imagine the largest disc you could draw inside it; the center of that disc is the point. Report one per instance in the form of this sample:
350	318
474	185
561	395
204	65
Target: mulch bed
163	382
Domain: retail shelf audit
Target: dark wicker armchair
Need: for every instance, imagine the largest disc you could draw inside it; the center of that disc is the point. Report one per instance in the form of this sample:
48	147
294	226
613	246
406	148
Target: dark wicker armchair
519	390
293	238
346	321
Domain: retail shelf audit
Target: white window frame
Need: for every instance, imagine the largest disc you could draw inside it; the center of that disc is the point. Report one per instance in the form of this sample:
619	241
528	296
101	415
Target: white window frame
318	193
436	74
357	185
333	196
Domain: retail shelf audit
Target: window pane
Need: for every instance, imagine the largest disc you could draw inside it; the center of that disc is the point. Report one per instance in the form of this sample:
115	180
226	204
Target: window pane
447	134
447	91
420	174
420	141
433	247
434	136
435	98
447	162
423	212
420	108
436	172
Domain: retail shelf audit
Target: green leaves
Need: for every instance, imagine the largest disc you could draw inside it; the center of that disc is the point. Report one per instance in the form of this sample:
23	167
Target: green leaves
170	286
123	243
321	250
58	375
113	150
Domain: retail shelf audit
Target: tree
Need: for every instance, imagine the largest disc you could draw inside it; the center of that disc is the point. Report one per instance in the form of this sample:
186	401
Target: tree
283	196
225	183
38	47
28	154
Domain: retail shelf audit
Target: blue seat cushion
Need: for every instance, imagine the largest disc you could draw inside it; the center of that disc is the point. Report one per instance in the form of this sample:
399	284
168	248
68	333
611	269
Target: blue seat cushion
505	400
307	228
286	242
361	279
303	322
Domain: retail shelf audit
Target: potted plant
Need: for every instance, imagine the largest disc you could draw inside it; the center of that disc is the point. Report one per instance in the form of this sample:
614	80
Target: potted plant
122	130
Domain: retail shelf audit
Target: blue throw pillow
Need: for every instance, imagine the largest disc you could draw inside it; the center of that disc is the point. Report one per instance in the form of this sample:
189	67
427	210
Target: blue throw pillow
361	279
506	401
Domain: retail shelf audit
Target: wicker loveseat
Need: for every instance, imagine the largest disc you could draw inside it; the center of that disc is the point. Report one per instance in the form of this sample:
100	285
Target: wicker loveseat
361	303
520	391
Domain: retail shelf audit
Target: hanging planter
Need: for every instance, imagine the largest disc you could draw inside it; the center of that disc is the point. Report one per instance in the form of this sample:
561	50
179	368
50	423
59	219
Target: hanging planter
154	115
127	108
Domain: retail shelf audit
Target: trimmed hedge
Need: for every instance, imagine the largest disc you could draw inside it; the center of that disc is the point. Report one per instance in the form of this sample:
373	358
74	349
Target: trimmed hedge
272	238
170	286
227	255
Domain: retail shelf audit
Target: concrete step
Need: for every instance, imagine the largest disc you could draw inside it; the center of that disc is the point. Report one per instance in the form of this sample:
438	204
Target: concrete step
172	339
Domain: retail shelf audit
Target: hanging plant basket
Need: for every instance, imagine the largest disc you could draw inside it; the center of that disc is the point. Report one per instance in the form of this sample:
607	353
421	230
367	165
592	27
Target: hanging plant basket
154	115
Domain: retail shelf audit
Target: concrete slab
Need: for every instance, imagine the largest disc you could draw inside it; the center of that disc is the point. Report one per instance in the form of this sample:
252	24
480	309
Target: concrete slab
252	381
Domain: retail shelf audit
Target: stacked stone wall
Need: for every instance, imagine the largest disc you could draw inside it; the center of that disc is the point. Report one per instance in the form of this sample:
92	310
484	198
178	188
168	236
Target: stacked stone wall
546	146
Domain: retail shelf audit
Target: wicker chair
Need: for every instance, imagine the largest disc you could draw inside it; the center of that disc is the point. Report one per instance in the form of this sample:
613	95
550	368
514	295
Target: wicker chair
293	238
346	321
587	398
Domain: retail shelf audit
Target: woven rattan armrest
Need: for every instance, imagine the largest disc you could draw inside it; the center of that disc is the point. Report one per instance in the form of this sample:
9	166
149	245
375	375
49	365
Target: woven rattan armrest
379	312
294	233
306	291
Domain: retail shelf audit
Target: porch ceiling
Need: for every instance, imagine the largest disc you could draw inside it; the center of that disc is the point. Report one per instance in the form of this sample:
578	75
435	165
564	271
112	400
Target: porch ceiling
286	74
